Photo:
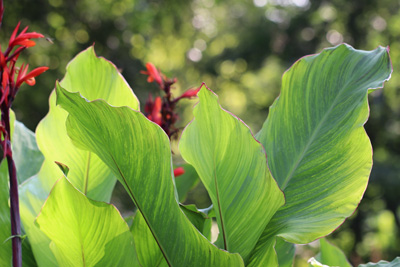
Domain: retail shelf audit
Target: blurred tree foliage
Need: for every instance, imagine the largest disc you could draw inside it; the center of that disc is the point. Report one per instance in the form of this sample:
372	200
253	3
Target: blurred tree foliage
240	49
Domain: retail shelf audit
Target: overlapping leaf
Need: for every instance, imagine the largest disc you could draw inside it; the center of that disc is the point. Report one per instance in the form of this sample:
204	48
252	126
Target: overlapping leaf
233	167
317	148
331	255
138	152
95	78
85	232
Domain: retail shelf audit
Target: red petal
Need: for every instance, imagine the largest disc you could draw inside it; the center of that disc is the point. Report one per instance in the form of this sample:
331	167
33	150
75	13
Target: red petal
156	112
14	33
31	81
23	42
179	171
32	74
154	73
190	93
30	35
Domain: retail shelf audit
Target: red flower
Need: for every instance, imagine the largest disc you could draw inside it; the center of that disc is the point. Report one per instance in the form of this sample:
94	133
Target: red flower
23	38
154	74
155	115
179	171
30	77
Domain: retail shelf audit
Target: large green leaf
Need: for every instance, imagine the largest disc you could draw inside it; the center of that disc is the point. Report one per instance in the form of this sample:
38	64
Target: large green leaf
317	148
233	167
85	232
147	249
95	78
139	153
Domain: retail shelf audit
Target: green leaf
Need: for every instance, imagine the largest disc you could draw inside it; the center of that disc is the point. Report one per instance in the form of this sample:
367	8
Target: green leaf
317	148
394	263
186	181
315	263
233	167
95	78
200	220
149	253
26	154
85	232
285	252
331	255
139	153
5	226
147	249
32	196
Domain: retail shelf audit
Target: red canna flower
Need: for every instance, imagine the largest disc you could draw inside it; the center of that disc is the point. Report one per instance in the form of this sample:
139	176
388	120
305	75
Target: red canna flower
23	38
179	171
30	77
153	73
155	115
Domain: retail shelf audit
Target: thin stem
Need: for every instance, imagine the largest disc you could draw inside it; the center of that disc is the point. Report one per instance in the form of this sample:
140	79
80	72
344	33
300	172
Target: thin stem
14	199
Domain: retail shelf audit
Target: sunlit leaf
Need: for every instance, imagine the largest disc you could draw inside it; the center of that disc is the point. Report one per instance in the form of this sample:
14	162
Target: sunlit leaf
316	144
94	78
139	153
233	167
85	232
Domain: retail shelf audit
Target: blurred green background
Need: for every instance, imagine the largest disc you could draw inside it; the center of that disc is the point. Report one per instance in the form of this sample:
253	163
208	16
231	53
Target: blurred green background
240	49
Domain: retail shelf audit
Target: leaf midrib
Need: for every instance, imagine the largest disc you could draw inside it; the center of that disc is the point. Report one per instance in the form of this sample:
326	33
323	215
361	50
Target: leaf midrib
140	209
312	139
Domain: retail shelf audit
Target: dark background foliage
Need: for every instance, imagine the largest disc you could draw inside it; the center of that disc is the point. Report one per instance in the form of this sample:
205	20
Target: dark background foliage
240	49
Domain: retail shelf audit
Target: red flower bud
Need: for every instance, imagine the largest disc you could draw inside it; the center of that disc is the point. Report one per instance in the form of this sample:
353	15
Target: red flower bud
154	74
190	93
179	171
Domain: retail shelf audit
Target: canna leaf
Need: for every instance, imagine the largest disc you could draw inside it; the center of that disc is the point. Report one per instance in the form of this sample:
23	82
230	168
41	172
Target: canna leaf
233	167
85	232
331	255
139	153
317	148
394	263
95	78
26	153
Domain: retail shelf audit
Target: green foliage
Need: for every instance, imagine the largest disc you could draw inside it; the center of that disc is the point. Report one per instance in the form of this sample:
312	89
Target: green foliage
232	166
317	147
84	232
331	255
318	153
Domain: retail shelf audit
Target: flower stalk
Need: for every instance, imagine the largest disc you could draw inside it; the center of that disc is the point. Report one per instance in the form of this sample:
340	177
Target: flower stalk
11	78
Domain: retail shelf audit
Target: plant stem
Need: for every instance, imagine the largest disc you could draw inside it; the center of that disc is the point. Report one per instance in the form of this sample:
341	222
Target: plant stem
14	199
